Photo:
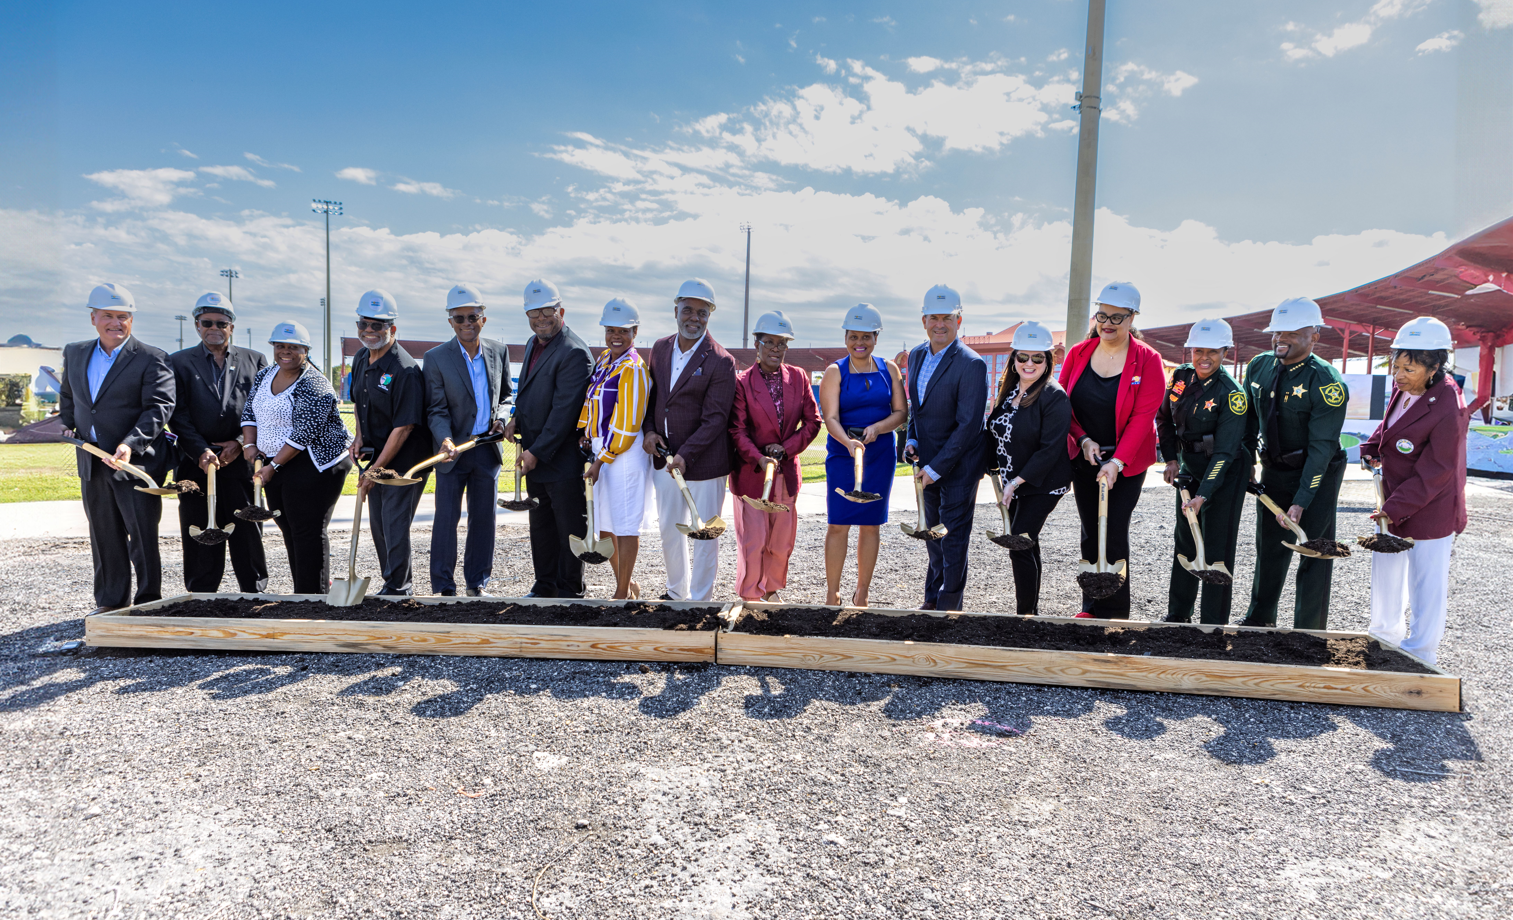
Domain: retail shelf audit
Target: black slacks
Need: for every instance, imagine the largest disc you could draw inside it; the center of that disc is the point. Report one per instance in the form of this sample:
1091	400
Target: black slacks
1122	499
306	497
950	501
1219	519
205	565
1027	514
562	512
123	536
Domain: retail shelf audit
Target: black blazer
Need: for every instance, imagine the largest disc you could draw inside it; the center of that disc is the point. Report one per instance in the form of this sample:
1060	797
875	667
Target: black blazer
549	403
945	421
450	407
1037	442
201	413
135	400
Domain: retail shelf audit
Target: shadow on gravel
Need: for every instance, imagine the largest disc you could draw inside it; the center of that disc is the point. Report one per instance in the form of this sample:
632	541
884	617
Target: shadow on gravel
34	672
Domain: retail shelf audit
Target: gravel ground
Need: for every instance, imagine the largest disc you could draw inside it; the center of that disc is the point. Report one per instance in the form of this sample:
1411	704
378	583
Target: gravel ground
232	786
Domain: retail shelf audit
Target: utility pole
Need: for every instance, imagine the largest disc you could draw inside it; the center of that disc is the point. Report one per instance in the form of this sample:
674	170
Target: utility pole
182	320
1080	283
746	310
321	206
230	274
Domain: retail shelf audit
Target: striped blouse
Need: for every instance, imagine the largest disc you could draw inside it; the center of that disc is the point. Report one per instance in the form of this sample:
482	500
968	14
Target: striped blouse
616	403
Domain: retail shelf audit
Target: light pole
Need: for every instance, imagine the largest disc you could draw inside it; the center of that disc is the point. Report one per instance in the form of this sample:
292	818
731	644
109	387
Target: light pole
182	320
746	310
230	274
321	206
1080	283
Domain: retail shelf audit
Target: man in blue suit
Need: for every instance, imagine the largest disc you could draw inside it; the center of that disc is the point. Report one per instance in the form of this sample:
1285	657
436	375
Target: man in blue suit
948	397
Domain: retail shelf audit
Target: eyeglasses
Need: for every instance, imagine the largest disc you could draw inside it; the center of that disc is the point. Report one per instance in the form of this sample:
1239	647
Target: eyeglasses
1117	318
376	325
1022	358
467	319
214	324
773	344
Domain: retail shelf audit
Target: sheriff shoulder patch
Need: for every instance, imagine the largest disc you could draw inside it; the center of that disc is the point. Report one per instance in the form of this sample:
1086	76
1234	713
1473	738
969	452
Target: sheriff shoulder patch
1334	394
1237	402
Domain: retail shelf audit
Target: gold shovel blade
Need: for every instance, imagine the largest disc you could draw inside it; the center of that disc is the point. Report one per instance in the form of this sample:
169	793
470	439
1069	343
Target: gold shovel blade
605	547
576	544
939	530
685	529
1117	567
1184	562
401	481
1304	551
1084	566
346	593
194	531
1220	568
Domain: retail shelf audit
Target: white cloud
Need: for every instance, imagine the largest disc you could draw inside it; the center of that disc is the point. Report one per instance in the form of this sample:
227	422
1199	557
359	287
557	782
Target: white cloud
434	189
184	153
827	65
886	22
1058	55
142	188
923	64
1495	14
236	174
359	175
270	165
1444	41
1351	34
1132	82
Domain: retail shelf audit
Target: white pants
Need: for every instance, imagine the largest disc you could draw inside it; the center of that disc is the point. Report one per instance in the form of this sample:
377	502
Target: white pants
709	498
1418	579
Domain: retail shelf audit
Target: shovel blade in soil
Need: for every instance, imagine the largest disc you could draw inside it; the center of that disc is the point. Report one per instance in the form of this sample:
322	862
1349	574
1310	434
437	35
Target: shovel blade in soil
347	593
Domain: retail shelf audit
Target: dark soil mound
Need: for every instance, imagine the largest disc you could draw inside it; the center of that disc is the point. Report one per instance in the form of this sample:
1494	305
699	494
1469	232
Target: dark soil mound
641	616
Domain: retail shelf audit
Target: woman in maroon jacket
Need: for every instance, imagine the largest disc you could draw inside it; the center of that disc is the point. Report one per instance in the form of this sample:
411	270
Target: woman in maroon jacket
1420	447
1116	383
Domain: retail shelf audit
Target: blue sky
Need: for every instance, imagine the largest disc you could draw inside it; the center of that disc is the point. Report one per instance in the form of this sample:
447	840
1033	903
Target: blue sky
1250	151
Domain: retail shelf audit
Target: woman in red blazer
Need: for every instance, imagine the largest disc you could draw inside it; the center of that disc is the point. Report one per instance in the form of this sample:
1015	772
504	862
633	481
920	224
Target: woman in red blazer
1115	382
1420	447
775	417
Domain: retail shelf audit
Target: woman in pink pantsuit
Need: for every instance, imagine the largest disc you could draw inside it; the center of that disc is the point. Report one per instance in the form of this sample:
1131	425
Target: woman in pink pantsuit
775	416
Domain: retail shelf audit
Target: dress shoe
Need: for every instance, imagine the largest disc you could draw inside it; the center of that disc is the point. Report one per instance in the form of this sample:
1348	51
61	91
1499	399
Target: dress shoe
1175	618
478	592
534	594
99	610
447	592
927	605
1247	621
667	597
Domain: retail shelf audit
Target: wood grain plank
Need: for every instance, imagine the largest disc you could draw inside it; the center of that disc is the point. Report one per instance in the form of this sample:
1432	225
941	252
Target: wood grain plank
1339	686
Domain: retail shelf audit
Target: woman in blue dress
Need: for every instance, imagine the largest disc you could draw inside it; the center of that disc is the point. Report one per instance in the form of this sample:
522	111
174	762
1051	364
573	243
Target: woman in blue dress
859	392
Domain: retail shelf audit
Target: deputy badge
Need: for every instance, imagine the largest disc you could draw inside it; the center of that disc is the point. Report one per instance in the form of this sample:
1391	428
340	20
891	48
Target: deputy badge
1334	394
1237	402
384	381
1404	446
1208	406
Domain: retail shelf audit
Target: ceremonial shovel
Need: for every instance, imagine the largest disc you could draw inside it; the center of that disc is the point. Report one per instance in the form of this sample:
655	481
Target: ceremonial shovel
701	529
595	552
1102	579
765	503
1020	541
257	511
518	504
1216	574
856	494
387	477
212	534
1384	540
1301	547
921	532
152	486
349	591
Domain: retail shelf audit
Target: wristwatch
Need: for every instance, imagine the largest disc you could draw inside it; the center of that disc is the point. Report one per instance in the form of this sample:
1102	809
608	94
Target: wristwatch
273	465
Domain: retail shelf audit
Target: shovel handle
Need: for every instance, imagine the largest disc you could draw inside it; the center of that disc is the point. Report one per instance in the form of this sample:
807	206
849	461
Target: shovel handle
1274	509
1192	521
210	494
772	466
356	529
136	471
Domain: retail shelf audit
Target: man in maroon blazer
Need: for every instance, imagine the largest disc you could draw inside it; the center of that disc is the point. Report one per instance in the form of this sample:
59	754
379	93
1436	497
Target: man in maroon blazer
692	391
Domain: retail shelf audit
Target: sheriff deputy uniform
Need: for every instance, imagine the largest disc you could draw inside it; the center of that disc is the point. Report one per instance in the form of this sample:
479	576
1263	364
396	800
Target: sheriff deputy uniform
1201	425
1296	413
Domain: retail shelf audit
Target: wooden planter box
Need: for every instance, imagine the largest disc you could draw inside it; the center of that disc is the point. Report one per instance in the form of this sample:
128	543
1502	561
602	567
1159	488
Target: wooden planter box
137	627
1437	691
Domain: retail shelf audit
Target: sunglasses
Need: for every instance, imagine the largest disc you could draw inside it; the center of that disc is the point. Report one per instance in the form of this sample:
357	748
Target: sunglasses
377	325
541	312
1116	319
1022	358
214	324
467	319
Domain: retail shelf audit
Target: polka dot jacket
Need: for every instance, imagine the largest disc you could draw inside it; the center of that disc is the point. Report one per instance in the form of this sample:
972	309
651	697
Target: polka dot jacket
317	426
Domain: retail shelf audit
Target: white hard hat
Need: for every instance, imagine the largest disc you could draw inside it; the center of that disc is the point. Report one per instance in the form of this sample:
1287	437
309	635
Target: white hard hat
696	288
1120	294
541	293
1423	333
464	295
941	299
289	334
1210	333
774	323
378	304
1293	314
863	318
110	296
1033	336
213	302
620	313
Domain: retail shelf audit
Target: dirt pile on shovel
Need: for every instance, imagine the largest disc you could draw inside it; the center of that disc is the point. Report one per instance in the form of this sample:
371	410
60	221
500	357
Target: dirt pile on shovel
186	487
1333	548
379	473
1213	578
1384	543
1099	584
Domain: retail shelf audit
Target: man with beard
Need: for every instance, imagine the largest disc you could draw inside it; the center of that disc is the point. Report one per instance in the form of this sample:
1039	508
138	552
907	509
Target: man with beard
213	381
1297	408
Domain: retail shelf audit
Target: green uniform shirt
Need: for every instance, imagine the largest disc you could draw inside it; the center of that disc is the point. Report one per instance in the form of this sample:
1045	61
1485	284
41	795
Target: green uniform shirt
1311	397
1218	409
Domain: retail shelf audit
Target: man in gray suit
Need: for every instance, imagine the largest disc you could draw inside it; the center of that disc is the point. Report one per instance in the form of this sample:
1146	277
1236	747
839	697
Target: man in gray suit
467	381
552	388
117	394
